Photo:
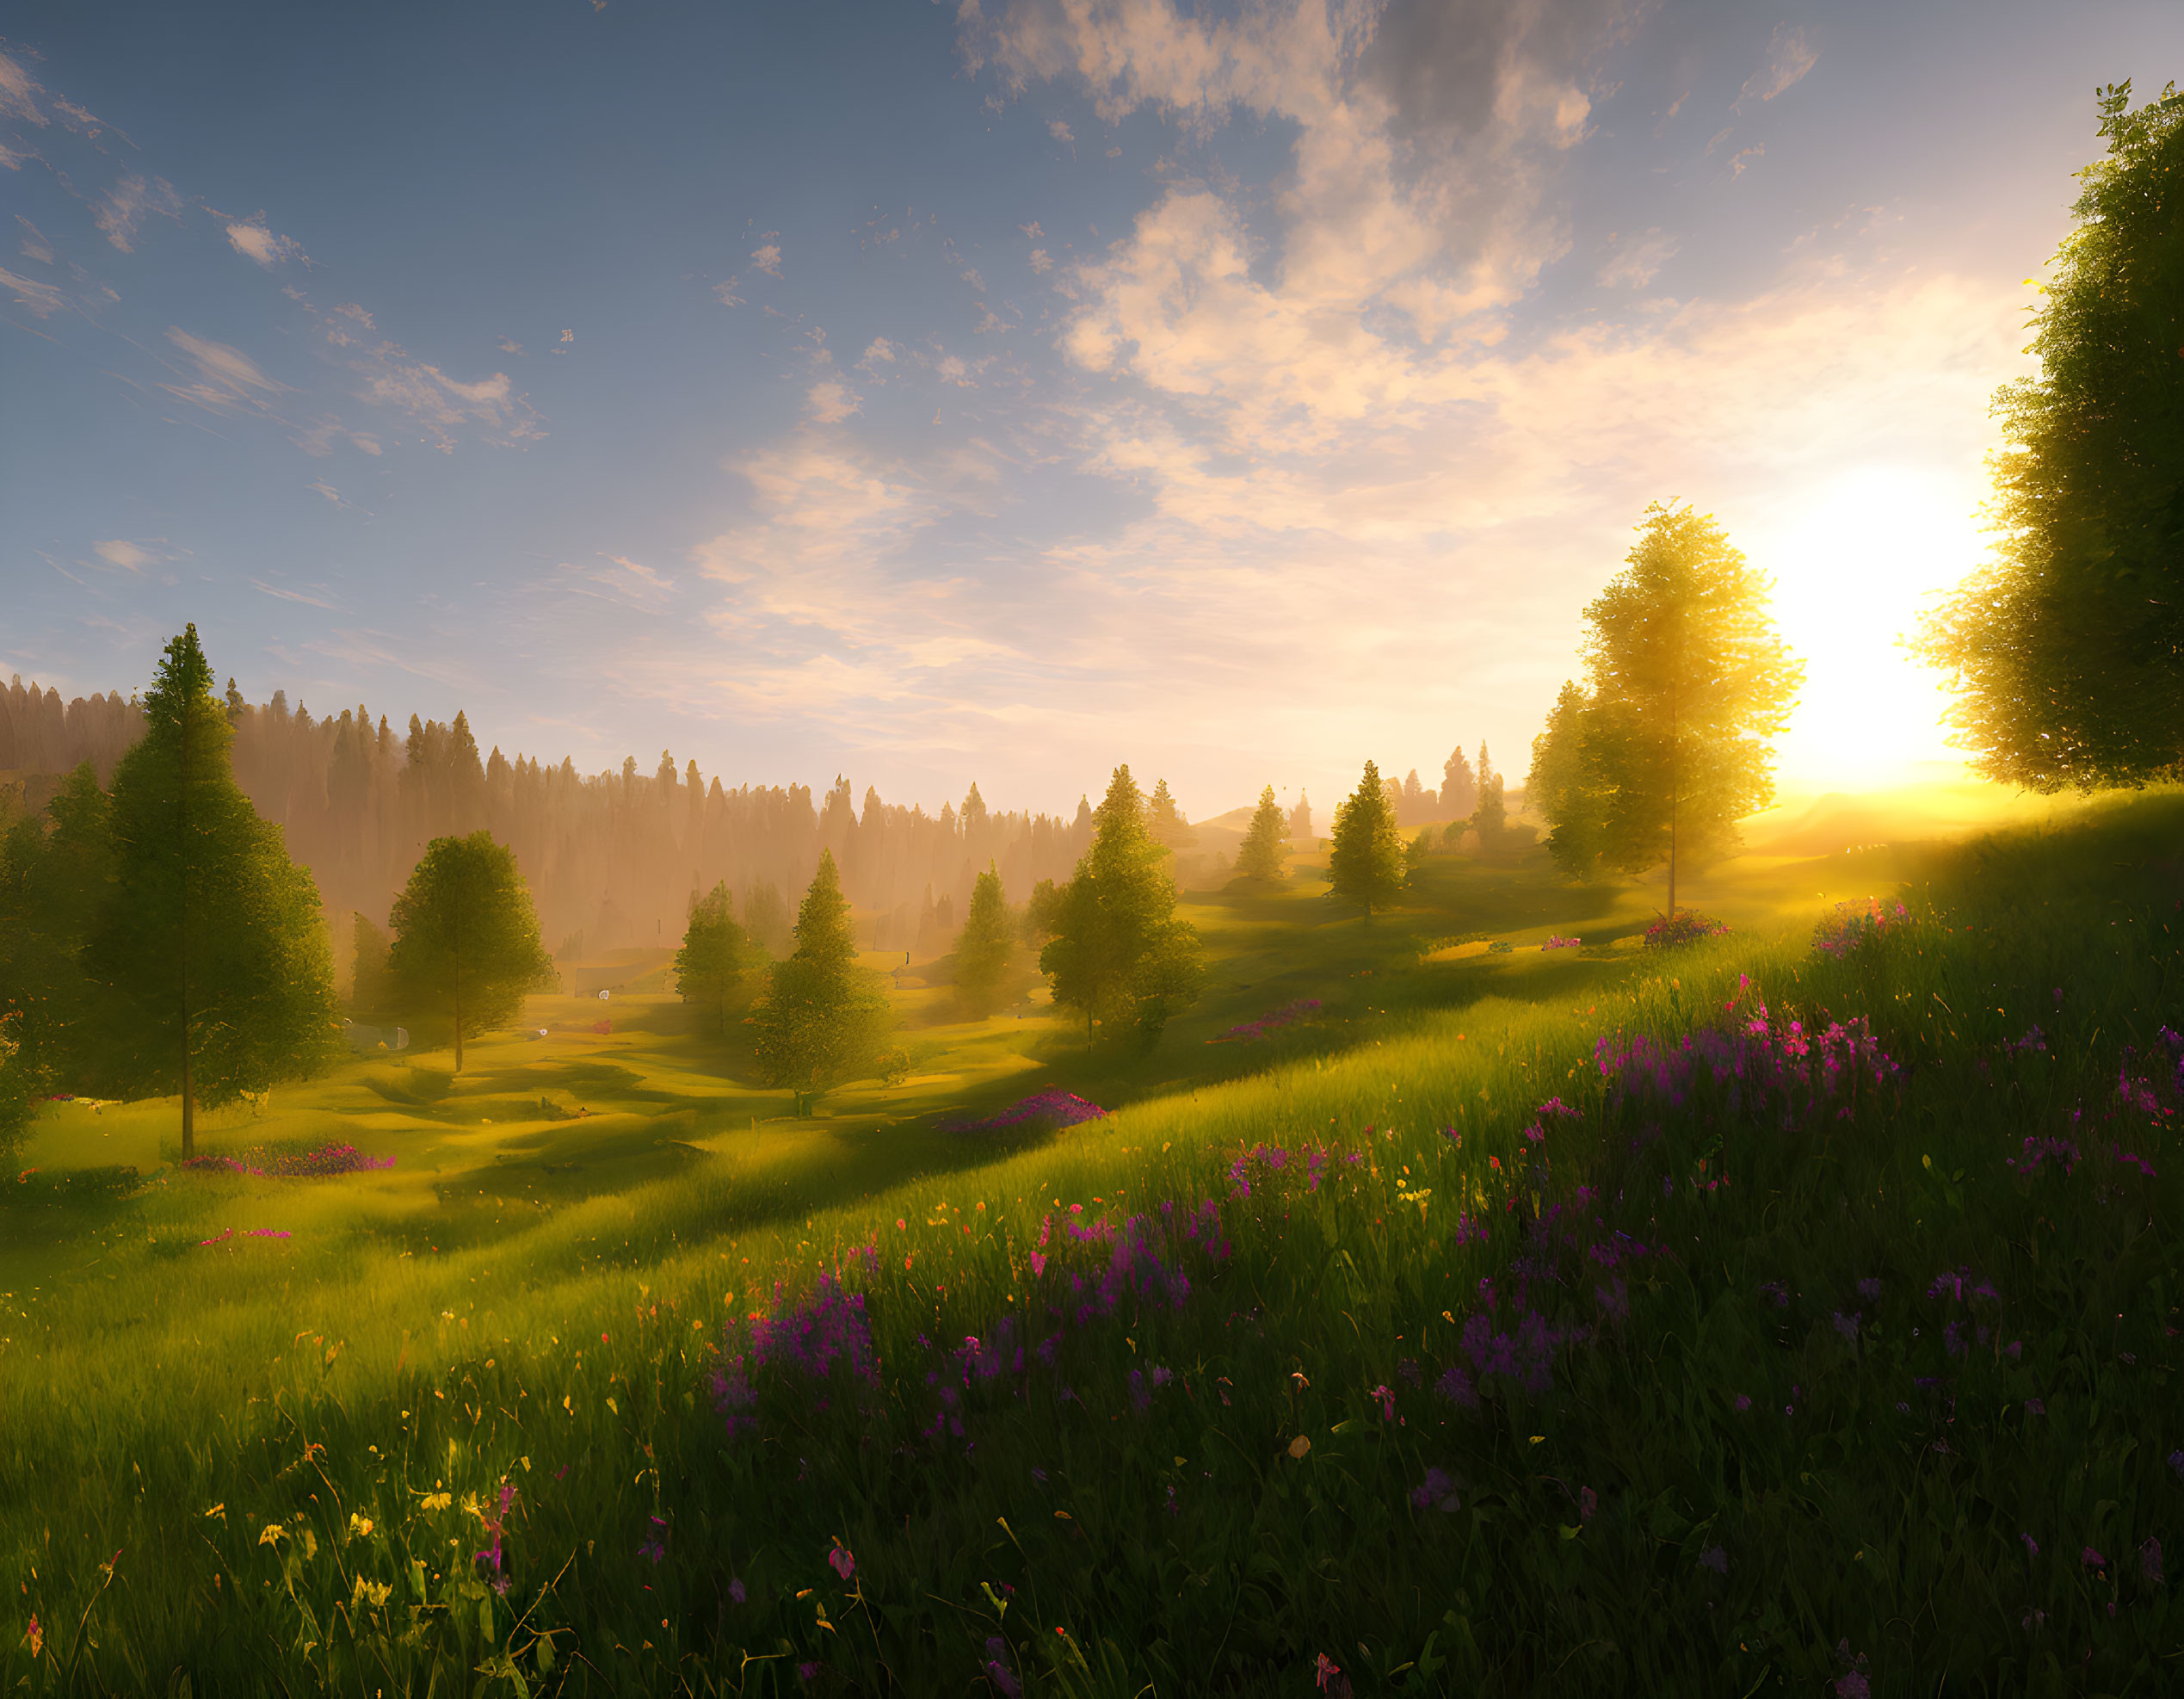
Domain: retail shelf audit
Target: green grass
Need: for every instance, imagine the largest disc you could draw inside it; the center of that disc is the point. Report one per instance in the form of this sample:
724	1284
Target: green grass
420	1332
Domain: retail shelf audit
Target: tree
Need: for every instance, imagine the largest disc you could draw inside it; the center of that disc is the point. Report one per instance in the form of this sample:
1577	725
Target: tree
1300	821
209	937
986	948
1120	955
466	944
1165	822
1366	862
1265	841
1417	801
1458	788
823	1019
710	966
18	1086
2067	650
1689	684
1491	818
371	993
53	880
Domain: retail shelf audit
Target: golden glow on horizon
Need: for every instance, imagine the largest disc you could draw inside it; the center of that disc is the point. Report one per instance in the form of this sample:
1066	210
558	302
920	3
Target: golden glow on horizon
1854	567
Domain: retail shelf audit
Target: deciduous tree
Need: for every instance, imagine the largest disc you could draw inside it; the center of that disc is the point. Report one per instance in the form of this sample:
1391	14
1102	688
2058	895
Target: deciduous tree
209	937
1689	684
1365	864
466	945
2067	649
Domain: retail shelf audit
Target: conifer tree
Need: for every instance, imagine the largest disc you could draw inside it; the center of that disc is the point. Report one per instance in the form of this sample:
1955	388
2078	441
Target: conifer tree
1119	956
53	883
1300	821
371	995
1491	818
1366	862
1265	841
209	935
709	966
986	948
1165	822
823	1019
466	944
1458	786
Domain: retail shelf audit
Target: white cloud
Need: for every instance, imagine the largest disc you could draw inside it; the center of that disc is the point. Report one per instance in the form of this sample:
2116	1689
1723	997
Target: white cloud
445	406
1060	131
227	379
1039	261
1790	55
725	292
510	345
768	258
123	206
128	556
1033	230
880	352
1637	259
34	245
328	491
42	300
832	401
350	310
255	241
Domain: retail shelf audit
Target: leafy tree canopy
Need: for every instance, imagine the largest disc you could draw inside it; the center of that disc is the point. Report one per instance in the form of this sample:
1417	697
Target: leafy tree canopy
1689	684
2067	649
1365	864
466	944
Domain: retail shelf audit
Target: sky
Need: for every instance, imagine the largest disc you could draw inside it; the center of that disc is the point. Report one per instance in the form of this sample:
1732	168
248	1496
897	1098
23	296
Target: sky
998	391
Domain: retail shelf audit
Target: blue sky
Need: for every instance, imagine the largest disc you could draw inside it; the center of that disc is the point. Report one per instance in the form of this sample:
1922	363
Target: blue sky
996	391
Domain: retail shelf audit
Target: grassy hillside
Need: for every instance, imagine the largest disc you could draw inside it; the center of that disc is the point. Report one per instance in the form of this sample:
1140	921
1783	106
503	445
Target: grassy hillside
1759	1365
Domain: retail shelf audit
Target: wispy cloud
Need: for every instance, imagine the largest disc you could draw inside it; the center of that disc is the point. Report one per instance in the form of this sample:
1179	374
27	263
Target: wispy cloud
318	596
1790	55
1637	259
444	407
254	241
43	299
768	258
128	203
228	380
128	556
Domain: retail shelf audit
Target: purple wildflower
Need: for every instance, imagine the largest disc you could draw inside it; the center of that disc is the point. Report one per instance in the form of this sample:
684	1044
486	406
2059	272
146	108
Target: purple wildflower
844	1565
735	1593
2093	1560
2150	1560
1715	1559
2032	1546
1438	1492
1870	1290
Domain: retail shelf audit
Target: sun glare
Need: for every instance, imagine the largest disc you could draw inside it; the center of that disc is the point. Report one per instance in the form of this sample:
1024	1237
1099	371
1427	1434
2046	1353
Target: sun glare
1855	566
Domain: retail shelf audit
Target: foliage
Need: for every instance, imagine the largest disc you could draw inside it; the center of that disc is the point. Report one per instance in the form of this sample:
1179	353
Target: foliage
1672	932
1458	786
1689	681
53	884
465	940
372	996
1491	818
208	936
2068	649
711	962
1365	864
986	948
1164	822
1668	1348
1266	841
822	1020
18	1086
1119	956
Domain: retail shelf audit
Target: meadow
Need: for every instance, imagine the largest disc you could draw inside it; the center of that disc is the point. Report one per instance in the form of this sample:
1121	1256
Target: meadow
1793	1310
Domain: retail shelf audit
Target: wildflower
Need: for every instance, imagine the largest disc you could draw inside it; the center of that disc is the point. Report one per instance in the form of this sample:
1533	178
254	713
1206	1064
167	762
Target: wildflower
2093	1560
2176	1462
735	1593
1387	1402
1870	1290
1744	1402
845	1566
807	1673
1852	1686
1456	1386
2150	1560
1588	1502
2032	1546
1847	1326
1328	1671
37	1638
2034	1407
1004	1683
1715	1559
1438	1492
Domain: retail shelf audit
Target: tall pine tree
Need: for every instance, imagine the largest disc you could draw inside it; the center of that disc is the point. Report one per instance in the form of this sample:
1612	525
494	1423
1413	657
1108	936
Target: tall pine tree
1366	863
1121	957
1265	841
709	967
986	948
823	1019
209	935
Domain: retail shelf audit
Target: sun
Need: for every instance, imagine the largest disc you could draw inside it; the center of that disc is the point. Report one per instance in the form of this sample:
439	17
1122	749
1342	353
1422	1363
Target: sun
1855	562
